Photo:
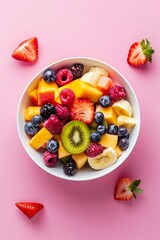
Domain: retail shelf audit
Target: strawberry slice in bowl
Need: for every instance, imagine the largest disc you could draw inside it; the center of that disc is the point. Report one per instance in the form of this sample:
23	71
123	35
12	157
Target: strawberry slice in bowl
82	110
27	50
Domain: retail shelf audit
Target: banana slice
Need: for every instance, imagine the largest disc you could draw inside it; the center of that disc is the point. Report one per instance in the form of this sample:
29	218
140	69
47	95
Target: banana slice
103	160
123	107
100	70
128	122
91	78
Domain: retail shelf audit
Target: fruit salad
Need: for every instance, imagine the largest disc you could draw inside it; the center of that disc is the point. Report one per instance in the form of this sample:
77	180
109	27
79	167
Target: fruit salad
79	118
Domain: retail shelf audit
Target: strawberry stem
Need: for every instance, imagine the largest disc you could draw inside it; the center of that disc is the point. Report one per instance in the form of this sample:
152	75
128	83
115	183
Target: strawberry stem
147	49
134	187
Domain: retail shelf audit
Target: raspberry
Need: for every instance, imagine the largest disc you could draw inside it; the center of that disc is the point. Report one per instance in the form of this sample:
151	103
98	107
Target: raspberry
53	124
64	77
62	112
50	159
70	167
46	110
67	96
117	92
77	70
94	149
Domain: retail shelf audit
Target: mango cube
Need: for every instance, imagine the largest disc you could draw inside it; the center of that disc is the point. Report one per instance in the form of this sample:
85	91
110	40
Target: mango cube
80	159
47	92
40	138
109	140
62	151
109	114
31	112
118	151
34	97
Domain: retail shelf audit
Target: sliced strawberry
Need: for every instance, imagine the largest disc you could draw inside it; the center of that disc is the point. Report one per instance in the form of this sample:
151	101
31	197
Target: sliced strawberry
140	53
125	189
30	209
27	51
83	110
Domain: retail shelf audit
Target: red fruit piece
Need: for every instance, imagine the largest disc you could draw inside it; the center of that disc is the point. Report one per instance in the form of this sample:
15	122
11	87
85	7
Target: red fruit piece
140	53
30	209
62	112
27	51
94	149
64	77
117	93
125	189
50	159
53	124
67	96
82	110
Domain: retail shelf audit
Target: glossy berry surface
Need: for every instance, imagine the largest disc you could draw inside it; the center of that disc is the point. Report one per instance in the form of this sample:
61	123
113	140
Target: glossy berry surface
117	92
99	117
64	77
67	97
30	129
122	132
101	129
123	143
70	167
77	70
95	137
50	159
37	120
112	129
47	110
52	146
49	75
62	112
105	101
94	149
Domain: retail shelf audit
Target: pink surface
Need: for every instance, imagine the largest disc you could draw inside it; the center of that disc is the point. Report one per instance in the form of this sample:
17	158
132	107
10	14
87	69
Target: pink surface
79	210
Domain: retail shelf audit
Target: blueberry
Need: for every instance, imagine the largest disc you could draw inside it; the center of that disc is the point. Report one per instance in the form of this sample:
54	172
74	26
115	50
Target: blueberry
30	129
95	137
112	129
123	143
49	75
37	120
105	101
123	132
99	117
52	146
101	129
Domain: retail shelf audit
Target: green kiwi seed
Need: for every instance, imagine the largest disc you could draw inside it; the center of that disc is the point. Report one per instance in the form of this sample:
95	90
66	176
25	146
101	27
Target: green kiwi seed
75	137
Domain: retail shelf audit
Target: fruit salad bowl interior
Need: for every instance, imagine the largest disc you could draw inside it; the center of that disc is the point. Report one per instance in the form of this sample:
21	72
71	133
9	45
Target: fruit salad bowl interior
85	173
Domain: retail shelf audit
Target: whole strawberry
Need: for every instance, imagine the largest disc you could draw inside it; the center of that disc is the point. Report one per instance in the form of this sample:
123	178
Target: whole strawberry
140	53
126	188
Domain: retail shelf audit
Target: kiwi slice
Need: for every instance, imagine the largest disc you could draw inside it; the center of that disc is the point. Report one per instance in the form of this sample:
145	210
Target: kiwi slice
75	137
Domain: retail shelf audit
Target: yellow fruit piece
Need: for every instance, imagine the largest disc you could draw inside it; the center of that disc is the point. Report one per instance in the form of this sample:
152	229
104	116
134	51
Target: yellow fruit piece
80	159
40	138
31	112
83	90
34	97
123	107
109	114
118	151
128	122
47	92
57	137
62	151
108	140
91	78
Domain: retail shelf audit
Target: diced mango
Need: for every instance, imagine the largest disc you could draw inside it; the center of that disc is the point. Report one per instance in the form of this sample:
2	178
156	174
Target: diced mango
109	114
40	138
34	97
47	92
31	112
83	90
108	140
80	159
62	151
118	151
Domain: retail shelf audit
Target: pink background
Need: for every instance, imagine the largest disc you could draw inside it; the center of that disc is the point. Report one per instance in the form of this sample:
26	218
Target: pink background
104	30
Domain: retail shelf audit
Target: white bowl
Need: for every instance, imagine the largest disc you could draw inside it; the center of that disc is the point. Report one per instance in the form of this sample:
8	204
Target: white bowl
85	173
